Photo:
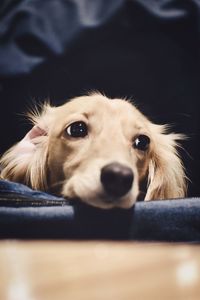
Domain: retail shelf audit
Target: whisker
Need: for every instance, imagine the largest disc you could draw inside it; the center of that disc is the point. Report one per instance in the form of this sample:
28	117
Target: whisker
56	185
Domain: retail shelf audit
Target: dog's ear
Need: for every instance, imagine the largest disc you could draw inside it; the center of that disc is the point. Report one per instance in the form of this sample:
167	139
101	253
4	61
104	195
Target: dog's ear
26	161
166	175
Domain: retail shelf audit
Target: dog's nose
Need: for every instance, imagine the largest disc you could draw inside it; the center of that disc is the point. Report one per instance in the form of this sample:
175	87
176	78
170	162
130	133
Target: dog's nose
117	179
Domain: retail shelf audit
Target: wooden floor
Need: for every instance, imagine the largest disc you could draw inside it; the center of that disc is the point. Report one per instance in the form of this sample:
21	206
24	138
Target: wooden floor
98	270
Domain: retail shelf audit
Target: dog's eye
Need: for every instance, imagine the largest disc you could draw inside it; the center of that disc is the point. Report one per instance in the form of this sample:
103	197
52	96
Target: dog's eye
141	142
77	129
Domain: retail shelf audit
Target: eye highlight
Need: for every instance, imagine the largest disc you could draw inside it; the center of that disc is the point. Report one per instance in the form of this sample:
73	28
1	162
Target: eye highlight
77	129
141	142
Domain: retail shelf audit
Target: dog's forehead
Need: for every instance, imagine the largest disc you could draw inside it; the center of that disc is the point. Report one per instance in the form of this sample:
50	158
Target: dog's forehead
101	105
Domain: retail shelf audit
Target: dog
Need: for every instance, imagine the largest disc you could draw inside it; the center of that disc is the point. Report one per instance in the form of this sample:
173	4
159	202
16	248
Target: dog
102	151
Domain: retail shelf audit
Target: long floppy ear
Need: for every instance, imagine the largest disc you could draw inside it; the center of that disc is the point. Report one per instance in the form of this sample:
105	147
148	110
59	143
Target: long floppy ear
25	162
166	177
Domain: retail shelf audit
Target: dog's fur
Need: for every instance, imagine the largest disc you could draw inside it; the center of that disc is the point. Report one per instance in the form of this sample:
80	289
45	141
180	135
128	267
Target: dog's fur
48	159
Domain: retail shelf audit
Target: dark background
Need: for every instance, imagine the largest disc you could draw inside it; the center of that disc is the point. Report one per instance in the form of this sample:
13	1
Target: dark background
148	50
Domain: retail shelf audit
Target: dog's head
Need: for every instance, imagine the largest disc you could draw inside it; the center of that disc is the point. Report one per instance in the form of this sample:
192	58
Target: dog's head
104	152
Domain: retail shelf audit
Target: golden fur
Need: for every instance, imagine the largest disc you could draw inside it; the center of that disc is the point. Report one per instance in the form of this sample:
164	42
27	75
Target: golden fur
49	160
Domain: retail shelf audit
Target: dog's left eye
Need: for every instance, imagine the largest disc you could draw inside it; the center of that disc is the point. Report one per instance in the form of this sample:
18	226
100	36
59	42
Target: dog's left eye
77	129
142	142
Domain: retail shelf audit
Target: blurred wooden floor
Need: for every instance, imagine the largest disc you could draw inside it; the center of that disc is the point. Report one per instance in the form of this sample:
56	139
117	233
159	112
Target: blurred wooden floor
98	270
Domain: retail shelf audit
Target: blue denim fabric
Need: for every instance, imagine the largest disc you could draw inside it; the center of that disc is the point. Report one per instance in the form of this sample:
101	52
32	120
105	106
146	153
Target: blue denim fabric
169	220
17	189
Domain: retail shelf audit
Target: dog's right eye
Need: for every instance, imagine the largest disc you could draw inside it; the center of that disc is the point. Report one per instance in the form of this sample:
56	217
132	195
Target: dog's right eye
77	129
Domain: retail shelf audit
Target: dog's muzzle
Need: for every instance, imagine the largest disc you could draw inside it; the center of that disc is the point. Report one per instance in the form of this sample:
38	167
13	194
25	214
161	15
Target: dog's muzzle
116	179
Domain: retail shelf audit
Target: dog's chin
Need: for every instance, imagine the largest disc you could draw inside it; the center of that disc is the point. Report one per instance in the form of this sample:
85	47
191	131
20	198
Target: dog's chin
95	195
106	202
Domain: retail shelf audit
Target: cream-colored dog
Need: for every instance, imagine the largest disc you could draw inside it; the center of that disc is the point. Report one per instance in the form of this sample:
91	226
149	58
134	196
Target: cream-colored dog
102	151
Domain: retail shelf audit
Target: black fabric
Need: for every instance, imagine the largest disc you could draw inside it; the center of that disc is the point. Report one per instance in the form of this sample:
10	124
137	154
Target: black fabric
166	221
147	50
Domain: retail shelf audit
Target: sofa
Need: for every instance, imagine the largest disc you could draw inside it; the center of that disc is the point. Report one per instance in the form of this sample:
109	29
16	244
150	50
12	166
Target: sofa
148	51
